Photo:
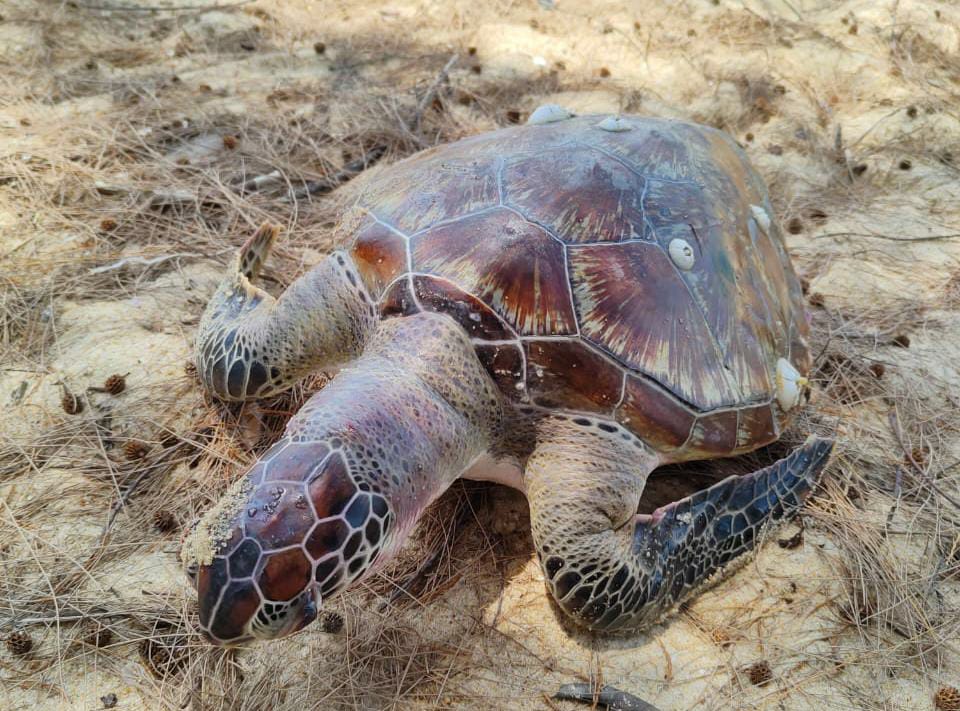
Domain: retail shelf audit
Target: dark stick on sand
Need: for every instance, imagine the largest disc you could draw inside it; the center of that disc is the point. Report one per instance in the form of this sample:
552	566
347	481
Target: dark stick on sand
607	697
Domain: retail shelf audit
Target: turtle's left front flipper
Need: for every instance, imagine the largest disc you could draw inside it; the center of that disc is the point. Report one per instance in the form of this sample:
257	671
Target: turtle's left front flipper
251	345
612	571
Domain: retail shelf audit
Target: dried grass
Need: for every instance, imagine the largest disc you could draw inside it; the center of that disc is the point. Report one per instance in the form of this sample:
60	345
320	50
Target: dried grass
167	171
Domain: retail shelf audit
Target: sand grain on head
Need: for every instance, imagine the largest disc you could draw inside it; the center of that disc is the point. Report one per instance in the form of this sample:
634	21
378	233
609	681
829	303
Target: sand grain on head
214	529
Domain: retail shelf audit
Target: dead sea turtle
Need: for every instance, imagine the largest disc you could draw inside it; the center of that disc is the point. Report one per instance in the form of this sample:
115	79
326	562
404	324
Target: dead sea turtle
562	307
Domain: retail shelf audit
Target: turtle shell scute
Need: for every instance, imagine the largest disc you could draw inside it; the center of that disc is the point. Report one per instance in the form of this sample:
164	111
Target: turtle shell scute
550	245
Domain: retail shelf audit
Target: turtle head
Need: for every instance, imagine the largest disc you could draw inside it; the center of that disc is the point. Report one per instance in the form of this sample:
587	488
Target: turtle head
235	612
295	531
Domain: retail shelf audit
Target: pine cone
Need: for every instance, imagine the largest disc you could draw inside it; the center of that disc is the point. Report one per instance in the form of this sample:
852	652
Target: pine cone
164	656
947	698
115	384
70	403
135	449
760	673
164	521
331	622
19	643
721	637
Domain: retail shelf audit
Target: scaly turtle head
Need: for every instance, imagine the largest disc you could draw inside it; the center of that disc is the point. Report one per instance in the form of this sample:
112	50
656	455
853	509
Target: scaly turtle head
295	531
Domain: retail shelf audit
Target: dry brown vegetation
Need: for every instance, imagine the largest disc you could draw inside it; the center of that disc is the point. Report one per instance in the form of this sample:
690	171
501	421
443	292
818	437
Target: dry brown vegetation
139	148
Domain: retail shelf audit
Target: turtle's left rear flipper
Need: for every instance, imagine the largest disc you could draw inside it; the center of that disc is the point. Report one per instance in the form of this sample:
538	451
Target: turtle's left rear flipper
687	542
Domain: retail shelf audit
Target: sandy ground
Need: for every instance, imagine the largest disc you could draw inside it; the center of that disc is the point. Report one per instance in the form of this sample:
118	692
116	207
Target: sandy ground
121	131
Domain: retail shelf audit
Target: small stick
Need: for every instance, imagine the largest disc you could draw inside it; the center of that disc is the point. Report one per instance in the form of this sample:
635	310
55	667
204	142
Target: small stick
607	697
141	260
350	170
260	182
158	8
431	94
71	618
898	433
929	238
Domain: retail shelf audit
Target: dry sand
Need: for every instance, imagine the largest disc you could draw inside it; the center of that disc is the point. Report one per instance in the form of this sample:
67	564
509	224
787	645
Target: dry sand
121	131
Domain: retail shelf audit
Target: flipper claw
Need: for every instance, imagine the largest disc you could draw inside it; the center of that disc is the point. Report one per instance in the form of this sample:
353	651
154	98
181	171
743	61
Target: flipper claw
254	252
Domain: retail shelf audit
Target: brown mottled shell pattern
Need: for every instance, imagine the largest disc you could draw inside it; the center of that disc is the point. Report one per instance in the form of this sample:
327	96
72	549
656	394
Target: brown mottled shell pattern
549	244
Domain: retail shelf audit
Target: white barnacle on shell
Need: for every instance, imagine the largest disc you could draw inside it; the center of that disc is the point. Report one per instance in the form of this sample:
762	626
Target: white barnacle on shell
681	253
614	124
548	113
762	217
790	385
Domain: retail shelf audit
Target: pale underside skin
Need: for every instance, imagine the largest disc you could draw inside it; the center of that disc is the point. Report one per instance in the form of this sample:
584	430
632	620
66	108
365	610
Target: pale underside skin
499	471
412	410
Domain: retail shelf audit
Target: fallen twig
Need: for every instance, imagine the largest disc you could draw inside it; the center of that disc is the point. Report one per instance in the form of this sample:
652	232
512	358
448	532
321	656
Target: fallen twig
898	433
929	238
141	260
431	94
259	182
607	697
349	171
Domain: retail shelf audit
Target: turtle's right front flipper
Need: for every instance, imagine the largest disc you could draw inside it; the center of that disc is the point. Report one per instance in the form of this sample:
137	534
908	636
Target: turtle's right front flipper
251	345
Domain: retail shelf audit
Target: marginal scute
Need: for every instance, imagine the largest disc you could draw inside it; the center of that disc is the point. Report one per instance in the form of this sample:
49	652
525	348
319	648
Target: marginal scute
653	415
476	318
512	265
380	255
567	374
800	351
757	427
714	433
771	278
504	362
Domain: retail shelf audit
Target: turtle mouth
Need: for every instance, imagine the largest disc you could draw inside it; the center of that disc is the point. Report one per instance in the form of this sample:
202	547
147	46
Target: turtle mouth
308	610
275	620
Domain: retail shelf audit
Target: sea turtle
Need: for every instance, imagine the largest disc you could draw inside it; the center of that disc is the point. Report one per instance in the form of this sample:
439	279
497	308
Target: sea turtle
562	307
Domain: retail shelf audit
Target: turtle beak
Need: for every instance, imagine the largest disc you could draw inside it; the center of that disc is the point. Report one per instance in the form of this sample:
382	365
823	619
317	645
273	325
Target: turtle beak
308	612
